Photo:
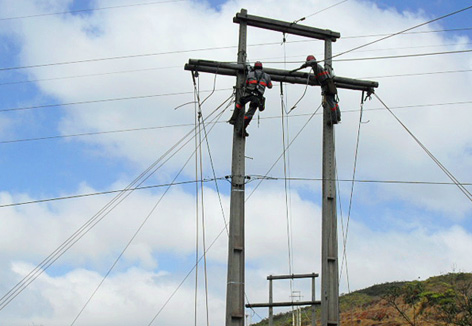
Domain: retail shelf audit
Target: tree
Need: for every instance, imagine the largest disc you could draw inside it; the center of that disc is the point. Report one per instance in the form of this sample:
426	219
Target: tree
453	306
407	300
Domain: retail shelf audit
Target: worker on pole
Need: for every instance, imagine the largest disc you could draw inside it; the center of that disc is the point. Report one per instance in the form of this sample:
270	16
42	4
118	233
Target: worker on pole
256	82
328	88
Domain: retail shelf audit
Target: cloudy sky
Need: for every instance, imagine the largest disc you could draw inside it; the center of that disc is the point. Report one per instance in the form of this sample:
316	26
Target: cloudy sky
88	96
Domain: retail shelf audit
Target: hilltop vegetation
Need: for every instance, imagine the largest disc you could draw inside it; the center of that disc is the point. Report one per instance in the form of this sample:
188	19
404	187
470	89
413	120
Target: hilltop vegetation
444	300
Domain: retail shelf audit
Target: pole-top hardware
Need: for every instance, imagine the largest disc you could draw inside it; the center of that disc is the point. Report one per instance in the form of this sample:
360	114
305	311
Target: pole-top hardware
285	27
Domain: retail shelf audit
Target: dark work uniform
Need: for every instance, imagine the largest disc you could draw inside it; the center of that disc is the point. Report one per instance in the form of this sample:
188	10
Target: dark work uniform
328	89
256	82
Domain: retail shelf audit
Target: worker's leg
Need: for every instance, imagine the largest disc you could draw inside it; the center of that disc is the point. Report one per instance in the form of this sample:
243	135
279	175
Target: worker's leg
262	104
338	112
255	102
239	108
333	108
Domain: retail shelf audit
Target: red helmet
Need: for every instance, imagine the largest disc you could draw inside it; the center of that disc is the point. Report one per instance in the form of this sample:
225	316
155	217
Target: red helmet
311	58
258	65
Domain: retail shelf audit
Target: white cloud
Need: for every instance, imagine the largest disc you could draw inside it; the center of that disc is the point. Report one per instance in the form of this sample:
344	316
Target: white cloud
134	296
377	257
397	245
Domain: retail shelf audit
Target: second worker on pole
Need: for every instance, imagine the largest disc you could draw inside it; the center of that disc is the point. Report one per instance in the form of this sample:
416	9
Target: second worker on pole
328	88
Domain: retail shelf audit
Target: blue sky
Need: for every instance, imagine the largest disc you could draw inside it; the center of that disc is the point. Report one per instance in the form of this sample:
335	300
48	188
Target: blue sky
397	231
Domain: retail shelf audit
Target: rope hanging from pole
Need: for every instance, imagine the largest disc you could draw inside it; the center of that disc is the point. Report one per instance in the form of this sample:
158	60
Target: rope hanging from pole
303	95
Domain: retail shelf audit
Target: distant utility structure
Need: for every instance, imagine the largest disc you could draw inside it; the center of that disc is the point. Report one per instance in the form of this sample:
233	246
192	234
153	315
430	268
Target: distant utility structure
313	303
236	261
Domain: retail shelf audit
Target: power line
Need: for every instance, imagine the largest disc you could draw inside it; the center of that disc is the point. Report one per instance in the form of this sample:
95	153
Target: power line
87	75
461	187
410	33
211	158
388	57
184	279
319	11
266	59
418	74
113	58
354	170
406	182
95	219
403	31
174	67
135	234
188	125
405	55
92	133
205	49
194	50
281	155
89	10
203	256
256	177
287	190
97	101
184	93
180	183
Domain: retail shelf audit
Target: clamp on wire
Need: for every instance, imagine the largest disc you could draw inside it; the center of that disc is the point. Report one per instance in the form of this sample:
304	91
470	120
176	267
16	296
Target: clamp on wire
370	91
284	39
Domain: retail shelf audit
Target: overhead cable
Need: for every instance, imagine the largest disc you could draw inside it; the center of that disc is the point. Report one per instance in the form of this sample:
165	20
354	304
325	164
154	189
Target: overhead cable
319	11
461	186
405	55
287	190
95	219
181	183
115	99
351	196
183	280
200	50
416	32
402	31
174	67
282	154
78	11
389	57
87	75
257	177
199	175
187	125
135	234
418	74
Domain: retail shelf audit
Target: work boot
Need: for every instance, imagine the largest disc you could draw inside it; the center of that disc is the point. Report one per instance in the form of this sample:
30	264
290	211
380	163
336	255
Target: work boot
242	132
334	117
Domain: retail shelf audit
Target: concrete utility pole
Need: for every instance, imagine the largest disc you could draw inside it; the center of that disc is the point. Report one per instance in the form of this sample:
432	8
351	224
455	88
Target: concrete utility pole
329	276
235	281
329	241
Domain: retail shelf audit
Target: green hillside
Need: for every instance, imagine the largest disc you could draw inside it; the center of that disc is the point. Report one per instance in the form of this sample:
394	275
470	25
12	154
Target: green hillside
440	300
